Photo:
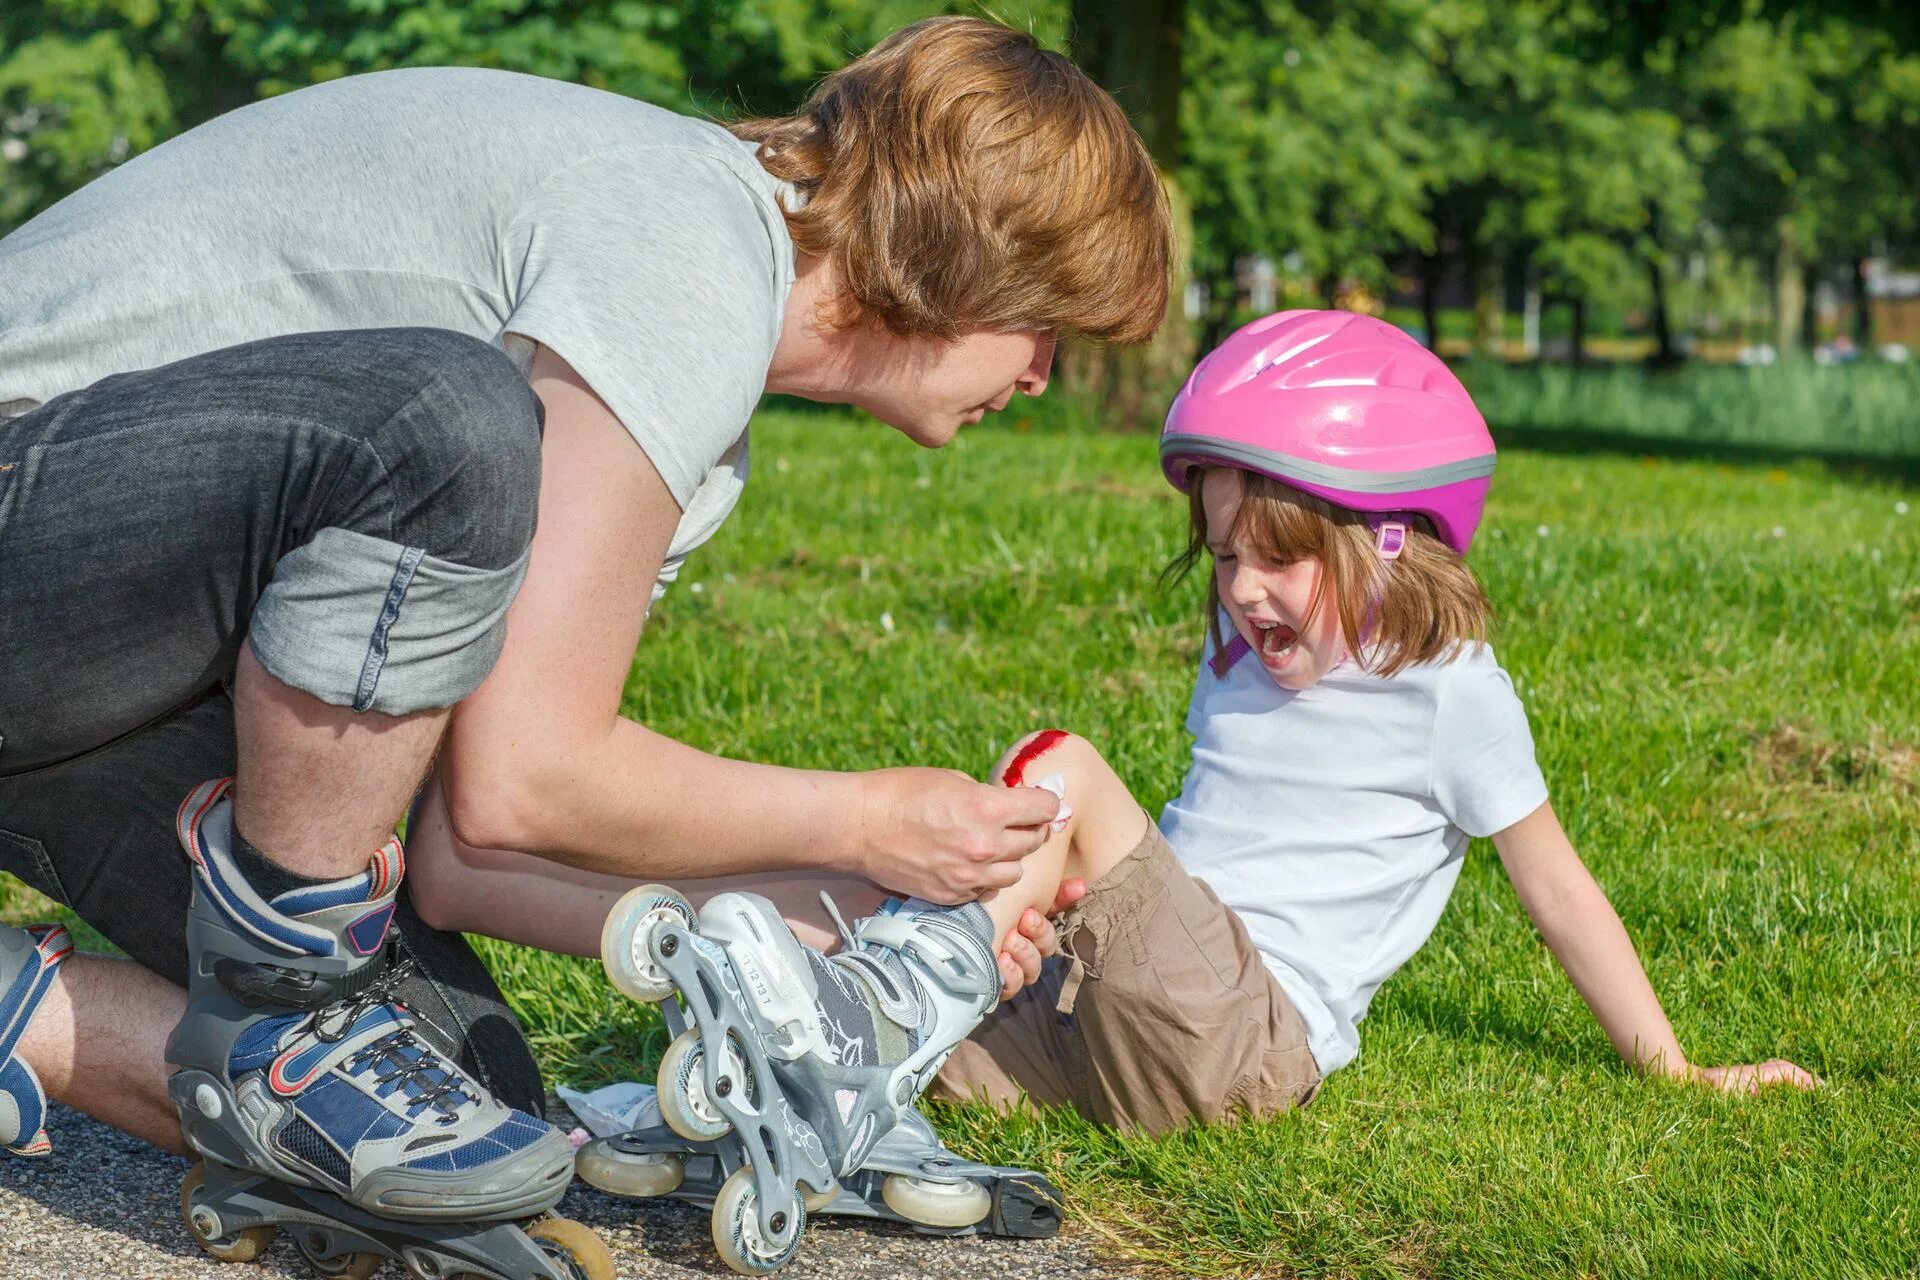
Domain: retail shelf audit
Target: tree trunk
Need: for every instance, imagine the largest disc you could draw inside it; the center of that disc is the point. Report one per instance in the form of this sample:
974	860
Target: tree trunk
1579	336
1133	50
1809	306
1663	352
1789	286
1862	307
1432	265
1530	320
1489	300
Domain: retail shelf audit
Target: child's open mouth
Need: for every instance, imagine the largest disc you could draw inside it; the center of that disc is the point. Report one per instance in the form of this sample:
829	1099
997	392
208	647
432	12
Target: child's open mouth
1276	641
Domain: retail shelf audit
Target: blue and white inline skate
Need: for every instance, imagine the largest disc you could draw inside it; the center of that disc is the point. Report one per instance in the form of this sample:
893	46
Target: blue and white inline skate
318	1111
910	1177
29	959
774	1105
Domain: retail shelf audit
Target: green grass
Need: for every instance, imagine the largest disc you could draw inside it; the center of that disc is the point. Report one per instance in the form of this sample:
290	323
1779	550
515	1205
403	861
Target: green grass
1722	665
1722	670
1867	411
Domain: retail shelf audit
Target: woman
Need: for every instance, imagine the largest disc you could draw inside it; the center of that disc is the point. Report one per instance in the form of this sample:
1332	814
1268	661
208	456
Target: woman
268	492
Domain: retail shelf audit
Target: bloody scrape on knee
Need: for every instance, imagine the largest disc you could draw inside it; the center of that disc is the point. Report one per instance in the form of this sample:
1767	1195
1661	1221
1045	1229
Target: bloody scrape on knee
1015	774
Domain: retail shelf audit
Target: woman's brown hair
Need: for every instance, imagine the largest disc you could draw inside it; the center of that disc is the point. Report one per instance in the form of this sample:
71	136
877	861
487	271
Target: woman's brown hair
1420	606
962	176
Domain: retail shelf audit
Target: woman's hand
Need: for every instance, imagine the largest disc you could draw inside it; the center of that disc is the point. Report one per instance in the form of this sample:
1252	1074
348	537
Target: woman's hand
939	835
1752	1079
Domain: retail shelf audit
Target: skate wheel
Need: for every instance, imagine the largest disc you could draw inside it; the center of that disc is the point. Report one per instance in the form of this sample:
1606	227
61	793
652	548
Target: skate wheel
737	1234
818	1200
624	940
577	1247
312	1247
238	1246
684	1102
642	1175
933	1203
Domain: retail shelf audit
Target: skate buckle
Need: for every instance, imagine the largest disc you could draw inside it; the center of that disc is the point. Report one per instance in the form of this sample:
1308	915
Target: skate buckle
260	985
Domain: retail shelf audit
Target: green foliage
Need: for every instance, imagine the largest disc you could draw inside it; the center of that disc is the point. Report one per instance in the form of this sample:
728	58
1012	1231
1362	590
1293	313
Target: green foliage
1588	143
1302	137
71	106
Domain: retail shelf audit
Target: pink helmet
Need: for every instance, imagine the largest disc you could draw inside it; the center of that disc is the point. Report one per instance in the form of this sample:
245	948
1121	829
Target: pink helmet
1342	406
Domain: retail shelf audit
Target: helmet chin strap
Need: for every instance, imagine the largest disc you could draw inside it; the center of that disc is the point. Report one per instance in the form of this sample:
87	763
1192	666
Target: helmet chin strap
1228	654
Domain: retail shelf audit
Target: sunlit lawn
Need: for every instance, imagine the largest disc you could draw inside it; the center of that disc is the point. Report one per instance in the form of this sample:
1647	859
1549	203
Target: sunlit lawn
1722	666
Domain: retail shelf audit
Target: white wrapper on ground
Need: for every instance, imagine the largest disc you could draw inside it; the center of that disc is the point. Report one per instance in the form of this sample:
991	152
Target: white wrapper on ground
613	1108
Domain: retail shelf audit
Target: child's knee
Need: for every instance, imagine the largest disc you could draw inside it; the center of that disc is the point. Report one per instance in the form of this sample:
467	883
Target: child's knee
1104	810
1046	752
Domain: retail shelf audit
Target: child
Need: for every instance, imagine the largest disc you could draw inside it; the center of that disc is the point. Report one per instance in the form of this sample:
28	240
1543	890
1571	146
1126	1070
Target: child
1352	733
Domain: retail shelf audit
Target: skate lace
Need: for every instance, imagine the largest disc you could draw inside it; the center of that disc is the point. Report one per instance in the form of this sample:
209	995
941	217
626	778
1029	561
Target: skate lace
839	921
427	1080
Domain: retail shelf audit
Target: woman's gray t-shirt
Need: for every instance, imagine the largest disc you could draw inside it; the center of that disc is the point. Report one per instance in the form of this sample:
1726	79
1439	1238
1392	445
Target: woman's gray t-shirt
646	248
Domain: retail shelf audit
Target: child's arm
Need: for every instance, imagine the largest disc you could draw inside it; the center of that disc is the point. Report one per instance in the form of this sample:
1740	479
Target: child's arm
1586	936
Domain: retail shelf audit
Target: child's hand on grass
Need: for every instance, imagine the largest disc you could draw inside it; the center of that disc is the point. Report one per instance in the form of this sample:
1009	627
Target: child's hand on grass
1752	1079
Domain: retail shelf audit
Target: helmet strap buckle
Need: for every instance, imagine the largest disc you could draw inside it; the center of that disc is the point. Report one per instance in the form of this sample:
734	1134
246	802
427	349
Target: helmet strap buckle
1390	538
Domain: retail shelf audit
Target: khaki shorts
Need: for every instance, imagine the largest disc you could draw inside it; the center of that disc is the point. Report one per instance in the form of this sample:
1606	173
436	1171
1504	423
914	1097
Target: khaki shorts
1158	1011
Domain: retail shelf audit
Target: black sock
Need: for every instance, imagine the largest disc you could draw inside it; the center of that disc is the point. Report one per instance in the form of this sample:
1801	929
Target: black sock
268	878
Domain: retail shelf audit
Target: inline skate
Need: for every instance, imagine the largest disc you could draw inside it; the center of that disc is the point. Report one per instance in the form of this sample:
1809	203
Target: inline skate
318	1111
29	958
789	1067
909	1177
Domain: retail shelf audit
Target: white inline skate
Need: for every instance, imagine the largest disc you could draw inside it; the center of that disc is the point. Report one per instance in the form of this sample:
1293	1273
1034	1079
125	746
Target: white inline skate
763	1078
909	1177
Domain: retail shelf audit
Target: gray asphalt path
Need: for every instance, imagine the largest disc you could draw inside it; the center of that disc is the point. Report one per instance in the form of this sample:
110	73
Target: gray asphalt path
106	1206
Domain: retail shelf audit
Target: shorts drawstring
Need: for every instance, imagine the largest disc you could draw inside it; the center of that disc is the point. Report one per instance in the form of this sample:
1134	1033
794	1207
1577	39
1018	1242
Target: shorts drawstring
1078	970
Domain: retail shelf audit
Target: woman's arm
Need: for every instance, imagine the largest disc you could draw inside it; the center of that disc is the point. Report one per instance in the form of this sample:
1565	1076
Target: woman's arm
1586	936
539	760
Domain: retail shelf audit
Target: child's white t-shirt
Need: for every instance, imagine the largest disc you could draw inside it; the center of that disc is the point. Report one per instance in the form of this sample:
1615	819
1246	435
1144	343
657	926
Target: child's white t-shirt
1333	821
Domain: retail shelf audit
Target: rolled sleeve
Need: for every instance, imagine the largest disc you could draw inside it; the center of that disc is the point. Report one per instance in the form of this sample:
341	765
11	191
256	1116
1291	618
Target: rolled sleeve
362	622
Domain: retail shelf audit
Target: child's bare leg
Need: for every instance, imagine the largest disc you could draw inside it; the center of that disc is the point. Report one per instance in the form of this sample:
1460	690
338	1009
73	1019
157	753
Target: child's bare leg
557	908
1106	823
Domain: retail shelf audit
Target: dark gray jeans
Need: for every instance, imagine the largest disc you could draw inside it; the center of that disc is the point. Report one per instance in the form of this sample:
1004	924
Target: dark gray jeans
357	506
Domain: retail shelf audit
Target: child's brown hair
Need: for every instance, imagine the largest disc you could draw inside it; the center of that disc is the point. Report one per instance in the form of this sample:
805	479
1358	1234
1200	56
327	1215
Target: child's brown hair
1422	605
963	176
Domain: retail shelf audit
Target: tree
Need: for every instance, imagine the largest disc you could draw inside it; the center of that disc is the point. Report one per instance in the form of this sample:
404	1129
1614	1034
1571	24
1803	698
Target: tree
71	107
1305	138
1134	51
